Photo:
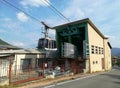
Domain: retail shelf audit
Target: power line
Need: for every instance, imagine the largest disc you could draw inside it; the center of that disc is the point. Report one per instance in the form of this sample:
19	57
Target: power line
52	8
8	3
55	10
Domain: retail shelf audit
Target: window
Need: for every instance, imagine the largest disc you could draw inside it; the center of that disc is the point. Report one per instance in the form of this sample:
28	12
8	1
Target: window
92	49
96	50
25	63
102	50
99	50
96	62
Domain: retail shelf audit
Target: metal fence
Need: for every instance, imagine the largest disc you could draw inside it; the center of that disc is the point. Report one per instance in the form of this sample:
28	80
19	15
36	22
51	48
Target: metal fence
19	74
4	74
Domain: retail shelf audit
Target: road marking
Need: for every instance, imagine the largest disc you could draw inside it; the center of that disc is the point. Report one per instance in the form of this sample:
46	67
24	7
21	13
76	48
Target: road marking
113	69
49	86
61	83
53	85
75	80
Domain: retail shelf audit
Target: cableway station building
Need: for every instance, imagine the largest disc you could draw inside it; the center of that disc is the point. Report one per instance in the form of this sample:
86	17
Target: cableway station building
82	46
79	47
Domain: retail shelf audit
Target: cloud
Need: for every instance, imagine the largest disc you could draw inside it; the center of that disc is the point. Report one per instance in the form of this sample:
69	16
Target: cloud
22	17
52	34
104	14
35	3
19	44
22	44
6	19
73	10
53	21
2	31
113	41
8	24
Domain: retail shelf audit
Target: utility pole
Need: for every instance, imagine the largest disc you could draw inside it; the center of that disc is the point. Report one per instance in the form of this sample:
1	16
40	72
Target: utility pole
46	28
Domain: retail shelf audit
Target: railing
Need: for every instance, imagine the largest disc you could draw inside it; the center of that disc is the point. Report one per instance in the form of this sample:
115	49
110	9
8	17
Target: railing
19	74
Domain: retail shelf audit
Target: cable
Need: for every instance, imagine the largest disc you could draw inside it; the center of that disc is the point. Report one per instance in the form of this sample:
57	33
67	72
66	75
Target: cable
8	3
52	8
55	10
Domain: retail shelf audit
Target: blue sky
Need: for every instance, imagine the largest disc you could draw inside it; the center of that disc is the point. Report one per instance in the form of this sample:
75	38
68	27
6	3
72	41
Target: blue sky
20	30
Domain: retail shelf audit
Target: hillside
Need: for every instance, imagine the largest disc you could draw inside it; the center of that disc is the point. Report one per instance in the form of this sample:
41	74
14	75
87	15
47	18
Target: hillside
115	52
5	45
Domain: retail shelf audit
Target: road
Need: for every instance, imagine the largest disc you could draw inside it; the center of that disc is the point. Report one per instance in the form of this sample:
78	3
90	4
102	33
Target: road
106	80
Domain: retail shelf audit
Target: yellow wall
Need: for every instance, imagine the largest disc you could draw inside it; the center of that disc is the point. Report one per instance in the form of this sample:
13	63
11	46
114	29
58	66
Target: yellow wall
107	52
96	40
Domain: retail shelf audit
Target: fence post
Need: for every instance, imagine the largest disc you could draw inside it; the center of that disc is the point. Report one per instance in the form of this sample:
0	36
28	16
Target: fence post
43	69
29	71
10	71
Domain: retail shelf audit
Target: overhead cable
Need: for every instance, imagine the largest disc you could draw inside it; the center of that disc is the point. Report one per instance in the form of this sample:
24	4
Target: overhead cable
47	3
8	3
55	10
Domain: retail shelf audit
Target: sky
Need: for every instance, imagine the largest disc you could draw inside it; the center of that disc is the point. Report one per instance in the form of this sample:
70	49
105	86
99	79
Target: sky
19	29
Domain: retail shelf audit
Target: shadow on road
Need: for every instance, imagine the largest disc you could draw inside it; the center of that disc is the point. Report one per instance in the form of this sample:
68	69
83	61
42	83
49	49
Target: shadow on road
115	74
112	75
116	67
117	82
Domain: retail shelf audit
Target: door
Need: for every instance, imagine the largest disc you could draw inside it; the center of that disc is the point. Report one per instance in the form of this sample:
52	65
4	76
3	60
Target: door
103	63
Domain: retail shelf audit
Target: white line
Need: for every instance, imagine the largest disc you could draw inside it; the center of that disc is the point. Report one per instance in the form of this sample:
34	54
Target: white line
69	81
85	77
113	69
74	80
49	86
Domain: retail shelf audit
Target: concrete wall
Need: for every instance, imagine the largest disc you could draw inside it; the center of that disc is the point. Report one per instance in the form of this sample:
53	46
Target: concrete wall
95	40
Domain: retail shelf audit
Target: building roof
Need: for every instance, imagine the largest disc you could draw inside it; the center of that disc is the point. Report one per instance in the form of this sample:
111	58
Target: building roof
109	45
22	51
4	45
82	21
5	55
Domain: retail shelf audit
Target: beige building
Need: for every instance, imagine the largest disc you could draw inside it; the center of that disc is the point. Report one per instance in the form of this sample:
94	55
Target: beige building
20	60
100	49
88	49
20	65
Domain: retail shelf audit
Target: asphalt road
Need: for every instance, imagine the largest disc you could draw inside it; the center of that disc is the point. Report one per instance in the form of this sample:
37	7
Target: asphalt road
106	80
